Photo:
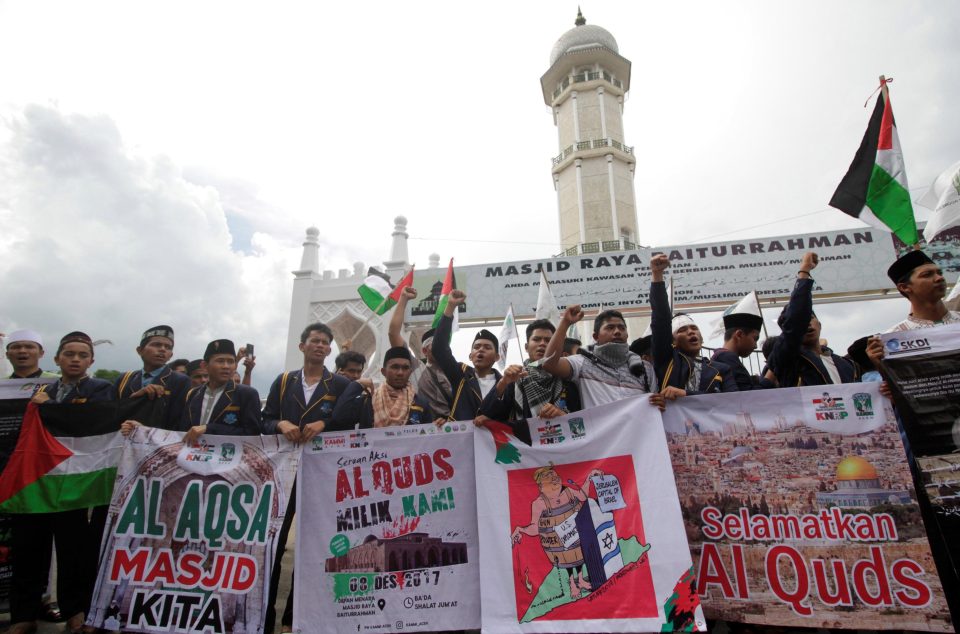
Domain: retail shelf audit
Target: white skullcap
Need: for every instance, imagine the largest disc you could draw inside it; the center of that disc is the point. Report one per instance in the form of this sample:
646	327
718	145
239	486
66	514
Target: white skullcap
682	320
24	335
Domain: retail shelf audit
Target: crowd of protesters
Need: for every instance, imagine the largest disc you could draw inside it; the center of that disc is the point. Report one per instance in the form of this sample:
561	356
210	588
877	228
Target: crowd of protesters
560	375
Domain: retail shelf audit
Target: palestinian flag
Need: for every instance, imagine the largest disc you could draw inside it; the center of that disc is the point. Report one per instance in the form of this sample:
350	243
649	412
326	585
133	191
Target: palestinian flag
66	460
875	187
377	292
507	452
448	285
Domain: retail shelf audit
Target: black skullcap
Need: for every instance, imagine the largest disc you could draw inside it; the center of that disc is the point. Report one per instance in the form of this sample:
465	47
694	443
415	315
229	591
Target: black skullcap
397	352
905	264
858	352
75	336
746	321
489	336
427	335
220	346
642	345
157	331
193	366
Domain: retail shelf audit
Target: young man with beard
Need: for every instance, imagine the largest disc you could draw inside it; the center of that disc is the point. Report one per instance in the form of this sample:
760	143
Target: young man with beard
77	536
798	357
222	407
609	372
24	351
530	391
156	379
393	402
676	346
470	384
300	405
740	337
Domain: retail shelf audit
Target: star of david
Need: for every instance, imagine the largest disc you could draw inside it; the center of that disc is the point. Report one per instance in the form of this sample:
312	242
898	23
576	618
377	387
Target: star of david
607	540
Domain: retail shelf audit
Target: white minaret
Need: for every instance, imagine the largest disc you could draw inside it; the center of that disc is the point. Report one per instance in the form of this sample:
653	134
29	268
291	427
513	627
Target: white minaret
593	172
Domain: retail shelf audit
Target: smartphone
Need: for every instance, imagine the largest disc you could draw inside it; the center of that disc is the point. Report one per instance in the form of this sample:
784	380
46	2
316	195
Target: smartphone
250	350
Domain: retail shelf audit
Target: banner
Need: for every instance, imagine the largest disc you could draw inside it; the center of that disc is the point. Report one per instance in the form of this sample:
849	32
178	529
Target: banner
923	367
581	532
191	533
800	509
392	524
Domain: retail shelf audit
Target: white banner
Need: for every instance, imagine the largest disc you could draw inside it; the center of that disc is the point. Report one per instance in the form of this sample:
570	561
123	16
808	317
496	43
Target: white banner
387	531
191	533
581	532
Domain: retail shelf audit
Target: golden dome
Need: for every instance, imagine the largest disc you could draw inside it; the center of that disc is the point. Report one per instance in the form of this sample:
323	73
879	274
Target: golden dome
855	468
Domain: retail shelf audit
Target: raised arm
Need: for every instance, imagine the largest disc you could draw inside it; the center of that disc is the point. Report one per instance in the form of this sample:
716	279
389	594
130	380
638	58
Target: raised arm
394	332
441	340
555	363
661	345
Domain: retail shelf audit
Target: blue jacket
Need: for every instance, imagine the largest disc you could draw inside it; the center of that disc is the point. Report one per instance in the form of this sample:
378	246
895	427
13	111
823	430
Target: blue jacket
794	364
236	412
175	388
356	406
467	395
87	389
744	380
285	400
672	366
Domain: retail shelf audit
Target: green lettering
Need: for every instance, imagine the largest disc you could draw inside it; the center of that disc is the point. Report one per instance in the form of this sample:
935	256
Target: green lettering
188	519
134	514
408	508
243	495
258	527
215	519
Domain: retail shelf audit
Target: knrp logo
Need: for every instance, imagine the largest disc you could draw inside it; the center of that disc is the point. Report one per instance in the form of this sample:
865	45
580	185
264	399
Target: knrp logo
901	346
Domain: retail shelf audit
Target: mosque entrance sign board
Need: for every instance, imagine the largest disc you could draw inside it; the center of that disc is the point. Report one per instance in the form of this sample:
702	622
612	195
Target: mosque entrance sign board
705	276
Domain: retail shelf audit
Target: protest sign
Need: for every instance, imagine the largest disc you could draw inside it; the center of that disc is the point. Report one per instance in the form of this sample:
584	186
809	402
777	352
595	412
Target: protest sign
800	509
191	533
387	531
923	367
581	531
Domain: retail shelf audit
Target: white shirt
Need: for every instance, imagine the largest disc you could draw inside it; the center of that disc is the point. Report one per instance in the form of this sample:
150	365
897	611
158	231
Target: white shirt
487	383
209	401
308	390
915	323
602	385
831	368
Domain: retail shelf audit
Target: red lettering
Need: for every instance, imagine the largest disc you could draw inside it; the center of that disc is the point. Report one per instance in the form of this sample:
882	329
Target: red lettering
216	572
874	566
445	469
422	469
402	472
711	526
162	569
191	568
126	567
712	572
739	571
903	571
358	490
841	596
382	480
797	597
245	574
731	524
343	486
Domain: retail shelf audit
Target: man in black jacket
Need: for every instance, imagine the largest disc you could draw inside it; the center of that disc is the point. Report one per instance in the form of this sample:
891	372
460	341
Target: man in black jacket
741	333
676	346
798	358
470	384
393	402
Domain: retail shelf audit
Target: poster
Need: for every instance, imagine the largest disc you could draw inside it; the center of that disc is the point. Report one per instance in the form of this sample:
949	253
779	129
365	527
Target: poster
392	524
191	533
801	511
581	531
923	367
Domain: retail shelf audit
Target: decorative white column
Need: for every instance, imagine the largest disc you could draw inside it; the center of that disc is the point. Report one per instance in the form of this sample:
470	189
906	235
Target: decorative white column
613	198
300	300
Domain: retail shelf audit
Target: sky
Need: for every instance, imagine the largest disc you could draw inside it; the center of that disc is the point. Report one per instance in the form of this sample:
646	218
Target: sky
160	162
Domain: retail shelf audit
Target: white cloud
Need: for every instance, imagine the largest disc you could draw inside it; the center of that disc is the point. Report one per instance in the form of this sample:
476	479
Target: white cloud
111	242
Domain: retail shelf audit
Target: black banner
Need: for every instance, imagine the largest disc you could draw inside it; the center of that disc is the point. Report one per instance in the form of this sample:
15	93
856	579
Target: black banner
923	367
